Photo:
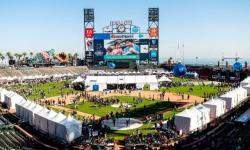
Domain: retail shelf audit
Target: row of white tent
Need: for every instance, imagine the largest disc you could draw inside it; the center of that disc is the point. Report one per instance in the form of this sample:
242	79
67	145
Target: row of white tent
199	116
138	80
46	121
33	77
163	78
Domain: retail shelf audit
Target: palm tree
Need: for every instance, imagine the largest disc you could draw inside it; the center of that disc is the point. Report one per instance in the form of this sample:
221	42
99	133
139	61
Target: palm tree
2	57
1	54
24	54
75	56
70	57
16	55
170	60
9	55
31	54
19	56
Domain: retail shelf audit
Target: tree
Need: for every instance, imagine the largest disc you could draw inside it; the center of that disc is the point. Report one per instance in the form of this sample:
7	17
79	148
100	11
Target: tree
24	54
31	54
76	55
1	54
16	55
19	56
2	57
9	55
70	57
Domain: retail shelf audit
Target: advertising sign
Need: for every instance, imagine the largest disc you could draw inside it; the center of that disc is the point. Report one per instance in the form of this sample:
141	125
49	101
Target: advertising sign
122	49
153	32
89	44
89	32
123	46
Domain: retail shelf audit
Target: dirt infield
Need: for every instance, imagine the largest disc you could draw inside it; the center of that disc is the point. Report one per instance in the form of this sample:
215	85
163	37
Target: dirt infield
173	97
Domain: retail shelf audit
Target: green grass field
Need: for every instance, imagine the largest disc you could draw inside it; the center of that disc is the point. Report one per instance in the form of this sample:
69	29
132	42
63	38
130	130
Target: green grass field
179	79
101	110
51	89
198	90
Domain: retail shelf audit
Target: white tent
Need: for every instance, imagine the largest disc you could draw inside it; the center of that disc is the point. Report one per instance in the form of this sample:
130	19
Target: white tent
245	81
31	110
54	124
3	92
22	108
103	81
185	121
69	129
241	94
164	79
230	98
11	98
78	79
205	117
217	107
152	81
27	117
40	122
247	87
19	107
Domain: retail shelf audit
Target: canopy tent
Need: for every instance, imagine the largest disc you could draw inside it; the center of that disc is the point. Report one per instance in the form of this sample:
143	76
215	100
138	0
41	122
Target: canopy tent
230	98
69	129
185	121
78	80
19	107
245	81
27	117
217	107
30	112
138	80
11	98
247	87
164	79
47	121
53	124
40	122
241	94
3	92
205	117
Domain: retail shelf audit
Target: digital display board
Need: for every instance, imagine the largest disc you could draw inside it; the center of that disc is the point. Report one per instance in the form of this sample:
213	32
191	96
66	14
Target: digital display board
123	47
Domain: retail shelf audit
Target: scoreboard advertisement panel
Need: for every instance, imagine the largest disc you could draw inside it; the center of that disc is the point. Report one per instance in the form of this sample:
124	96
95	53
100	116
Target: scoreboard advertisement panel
123	47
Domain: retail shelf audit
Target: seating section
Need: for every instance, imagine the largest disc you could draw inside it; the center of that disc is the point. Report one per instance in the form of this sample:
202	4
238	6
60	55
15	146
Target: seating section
42	71
10	138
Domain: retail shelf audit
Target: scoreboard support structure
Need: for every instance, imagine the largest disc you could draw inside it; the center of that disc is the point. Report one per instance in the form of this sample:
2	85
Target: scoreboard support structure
153	29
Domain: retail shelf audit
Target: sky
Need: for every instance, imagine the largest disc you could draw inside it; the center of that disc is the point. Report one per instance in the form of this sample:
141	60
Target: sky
207	28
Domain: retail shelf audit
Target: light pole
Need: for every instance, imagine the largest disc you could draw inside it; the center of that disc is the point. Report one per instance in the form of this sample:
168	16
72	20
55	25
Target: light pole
196	58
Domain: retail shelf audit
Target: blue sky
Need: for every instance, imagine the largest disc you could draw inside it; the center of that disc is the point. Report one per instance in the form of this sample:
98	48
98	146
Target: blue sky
207	28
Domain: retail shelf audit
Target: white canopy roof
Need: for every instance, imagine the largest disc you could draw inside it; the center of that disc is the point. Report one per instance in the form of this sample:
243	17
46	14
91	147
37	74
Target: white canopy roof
164	79
78	79
133	79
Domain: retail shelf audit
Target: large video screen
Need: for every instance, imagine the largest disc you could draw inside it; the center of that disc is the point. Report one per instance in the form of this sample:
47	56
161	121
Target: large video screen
122	47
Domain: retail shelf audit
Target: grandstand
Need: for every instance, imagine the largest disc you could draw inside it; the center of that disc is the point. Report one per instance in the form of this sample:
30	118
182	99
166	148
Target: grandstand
50	71
11	137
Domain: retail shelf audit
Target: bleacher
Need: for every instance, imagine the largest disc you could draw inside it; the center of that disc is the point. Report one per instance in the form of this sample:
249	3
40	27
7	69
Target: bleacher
11	72
11	138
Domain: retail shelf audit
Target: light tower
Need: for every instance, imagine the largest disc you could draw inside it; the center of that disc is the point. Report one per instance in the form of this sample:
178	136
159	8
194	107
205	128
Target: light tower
89	35
153	30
